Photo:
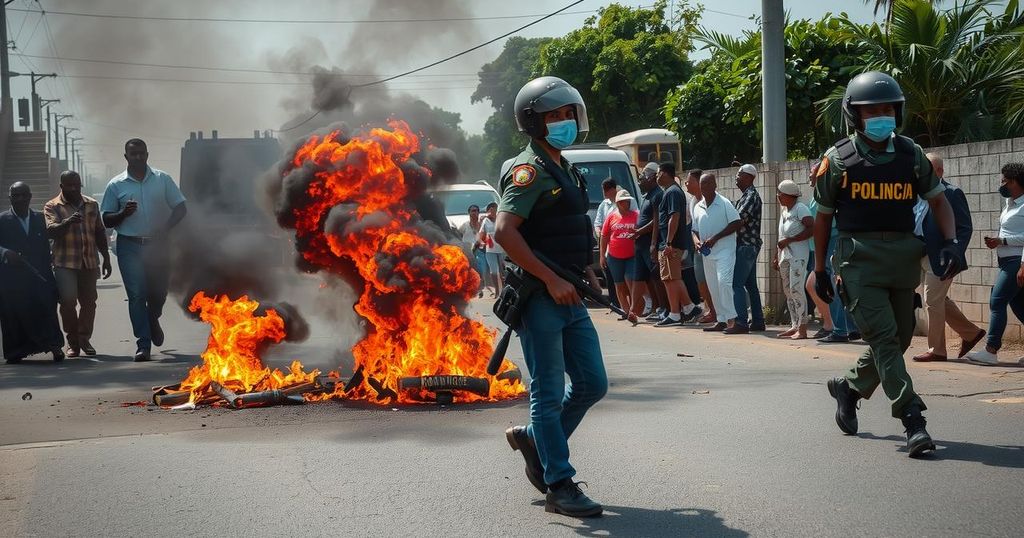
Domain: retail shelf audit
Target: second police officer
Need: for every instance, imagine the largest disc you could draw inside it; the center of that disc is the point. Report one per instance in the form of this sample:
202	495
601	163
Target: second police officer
869	183
544	208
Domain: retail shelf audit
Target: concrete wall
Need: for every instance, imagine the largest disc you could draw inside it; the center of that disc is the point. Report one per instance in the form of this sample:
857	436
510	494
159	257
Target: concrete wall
973	167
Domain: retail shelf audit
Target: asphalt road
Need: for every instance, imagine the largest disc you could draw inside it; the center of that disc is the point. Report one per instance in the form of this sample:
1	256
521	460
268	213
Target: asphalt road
699	436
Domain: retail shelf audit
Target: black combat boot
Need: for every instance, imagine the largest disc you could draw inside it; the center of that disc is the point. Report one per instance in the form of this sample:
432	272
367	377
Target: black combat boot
846	398
565	497
918	440
519	439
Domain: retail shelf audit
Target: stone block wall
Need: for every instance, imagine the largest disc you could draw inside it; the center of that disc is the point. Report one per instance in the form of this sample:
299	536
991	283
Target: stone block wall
973	167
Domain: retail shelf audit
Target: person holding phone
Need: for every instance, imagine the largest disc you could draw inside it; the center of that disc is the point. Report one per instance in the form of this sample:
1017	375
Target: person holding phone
143	204
74	225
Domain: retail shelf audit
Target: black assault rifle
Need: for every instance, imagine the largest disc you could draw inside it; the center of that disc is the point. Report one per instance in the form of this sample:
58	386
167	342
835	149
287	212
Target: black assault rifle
520	287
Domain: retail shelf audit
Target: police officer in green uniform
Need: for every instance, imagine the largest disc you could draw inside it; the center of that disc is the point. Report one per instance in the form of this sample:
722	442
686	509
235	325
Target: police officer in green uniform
544	208
869	183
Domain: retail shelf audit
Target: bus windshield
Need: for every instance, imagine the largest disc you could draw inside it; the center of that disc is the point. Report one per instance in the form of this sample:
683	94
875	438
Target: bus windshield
596	172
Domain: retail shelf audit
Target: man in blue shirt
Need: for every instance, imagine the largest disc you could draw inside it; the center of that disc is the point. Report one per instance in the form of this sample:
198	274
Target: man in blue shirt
143	204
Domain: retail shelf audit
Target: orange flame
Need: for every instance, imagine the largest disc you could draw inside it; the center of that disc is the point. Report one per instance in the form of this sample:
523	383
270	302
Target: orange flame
413	289
231	358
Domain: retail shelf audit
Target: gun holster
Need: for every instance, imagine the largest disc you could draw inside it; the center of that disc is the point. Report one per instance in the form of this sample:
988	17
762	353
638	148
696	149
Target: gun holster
519	287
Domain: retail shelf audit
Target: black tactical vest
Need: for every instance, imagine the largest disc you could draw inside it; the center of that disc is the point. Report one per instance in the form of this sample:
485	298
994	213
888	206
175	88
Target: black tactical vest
562	231
877	197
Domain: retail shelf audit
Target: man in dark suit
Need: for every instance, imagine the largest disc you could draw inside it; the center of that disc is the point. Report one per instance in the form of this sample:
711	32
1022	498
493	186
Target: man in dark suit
28	291
940	308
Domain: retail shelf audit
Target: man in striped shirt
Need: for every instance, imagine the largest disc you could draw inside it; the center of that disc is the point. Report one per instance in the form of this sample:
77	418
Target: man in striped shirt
74	225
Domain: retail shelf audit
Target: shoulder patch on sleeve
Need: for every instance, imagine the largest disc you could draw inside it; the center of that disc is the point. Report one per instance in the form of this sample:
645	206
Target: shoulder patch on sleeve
823	167
523	175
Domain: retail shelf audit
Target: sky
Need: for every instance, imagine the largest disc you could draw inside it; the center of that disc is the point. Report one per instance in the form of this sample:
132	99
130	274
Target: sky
113	102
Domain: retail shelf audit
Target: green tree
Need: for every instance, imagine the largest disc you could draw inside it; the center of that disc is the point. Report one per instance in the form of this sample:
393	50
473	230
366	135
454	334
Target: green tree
712	134
623	61
717	113
961	69
500	81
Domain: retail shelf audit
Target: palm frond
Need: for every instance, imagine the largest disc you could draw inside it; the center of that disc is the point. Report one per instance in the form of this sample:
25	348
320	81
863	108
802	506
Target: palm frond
731	46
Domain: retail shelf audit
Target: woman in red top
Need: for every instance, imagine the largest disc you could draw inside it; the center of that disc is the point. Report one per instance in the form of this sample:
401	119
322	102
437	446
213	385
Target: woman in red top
617	249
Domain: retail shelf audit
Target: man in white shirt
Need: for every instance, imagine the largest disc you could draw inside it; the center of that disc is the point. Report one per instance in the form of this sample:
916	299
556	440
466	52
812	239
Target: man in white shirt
1006	291
470	232
715	236
494	254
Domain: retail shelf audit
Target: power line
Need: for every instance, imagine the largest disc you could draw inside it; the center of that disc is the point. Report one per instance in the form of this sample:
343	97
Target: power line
465	79
229	69
298	21
727	13
438	62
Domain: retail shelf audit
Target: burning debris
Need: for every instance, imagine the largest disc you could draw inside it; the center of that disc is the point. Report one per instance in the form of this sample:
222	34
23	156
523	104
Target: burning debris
356	205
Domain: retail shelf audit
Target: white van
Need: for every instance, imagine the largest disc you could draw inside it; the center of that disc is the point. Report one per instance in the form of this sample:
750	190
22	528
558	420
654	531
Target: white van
457	198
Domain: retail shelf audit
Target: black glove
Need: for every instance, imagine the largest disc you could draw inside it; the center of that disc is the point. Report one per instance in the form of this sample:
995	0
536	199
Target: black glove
949	259
823	286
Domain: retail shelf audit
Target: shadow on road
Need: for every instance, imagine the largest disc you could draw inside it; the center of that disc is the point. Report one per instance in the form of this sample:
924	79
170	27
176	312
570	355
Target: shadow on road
676	522
994	455
39	372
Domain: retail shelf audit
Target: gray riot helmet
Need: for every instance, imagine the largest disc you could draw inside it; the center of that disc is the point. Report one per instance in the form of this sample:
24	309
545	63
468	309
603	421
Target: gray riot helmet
872	88
545	94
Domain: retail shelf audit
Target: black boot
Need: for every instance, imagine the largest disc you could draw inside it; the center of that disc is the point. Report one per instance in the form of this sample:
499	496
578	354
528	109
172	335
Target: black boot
519	439
918	440
566	498
846	398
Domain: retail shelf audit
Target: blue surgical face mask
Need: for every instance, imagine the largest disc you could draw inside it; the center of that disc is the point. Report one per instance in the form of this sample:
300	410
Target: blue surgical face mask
879	128
561	134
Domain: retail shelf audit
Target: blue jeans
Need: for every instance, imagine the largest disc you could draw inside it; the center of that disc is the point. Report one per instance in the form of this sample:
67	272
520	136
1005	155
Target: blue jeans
145	273
744	285
1005	292
842	324
480	264
559	340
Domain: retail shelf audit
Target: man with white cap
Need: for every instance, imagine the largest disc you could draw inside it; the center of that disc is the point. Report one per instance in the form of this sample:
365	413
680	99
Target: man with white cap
748	247
796	226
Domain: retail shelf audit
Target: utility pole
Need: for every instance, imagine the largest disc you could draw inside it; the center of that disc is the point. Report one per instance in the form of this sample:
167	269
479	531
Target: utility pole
5	67
67	130
45	103
35	98
57	118
773	81
72	164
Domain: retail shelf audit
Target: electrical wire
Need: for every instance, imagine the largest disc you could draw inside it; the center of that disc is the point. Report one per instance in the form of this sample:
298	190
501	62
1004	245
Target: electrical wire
228	69
300	21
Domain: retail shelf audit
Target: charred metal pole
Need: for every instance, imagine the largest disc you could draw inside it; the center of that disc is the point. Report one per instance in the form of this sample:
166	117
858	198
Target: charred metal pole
437	383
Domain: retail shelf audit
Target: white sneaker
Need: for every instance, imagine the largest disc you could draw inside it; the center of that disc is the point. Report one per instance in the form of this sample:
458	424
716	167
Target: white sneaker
981	356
